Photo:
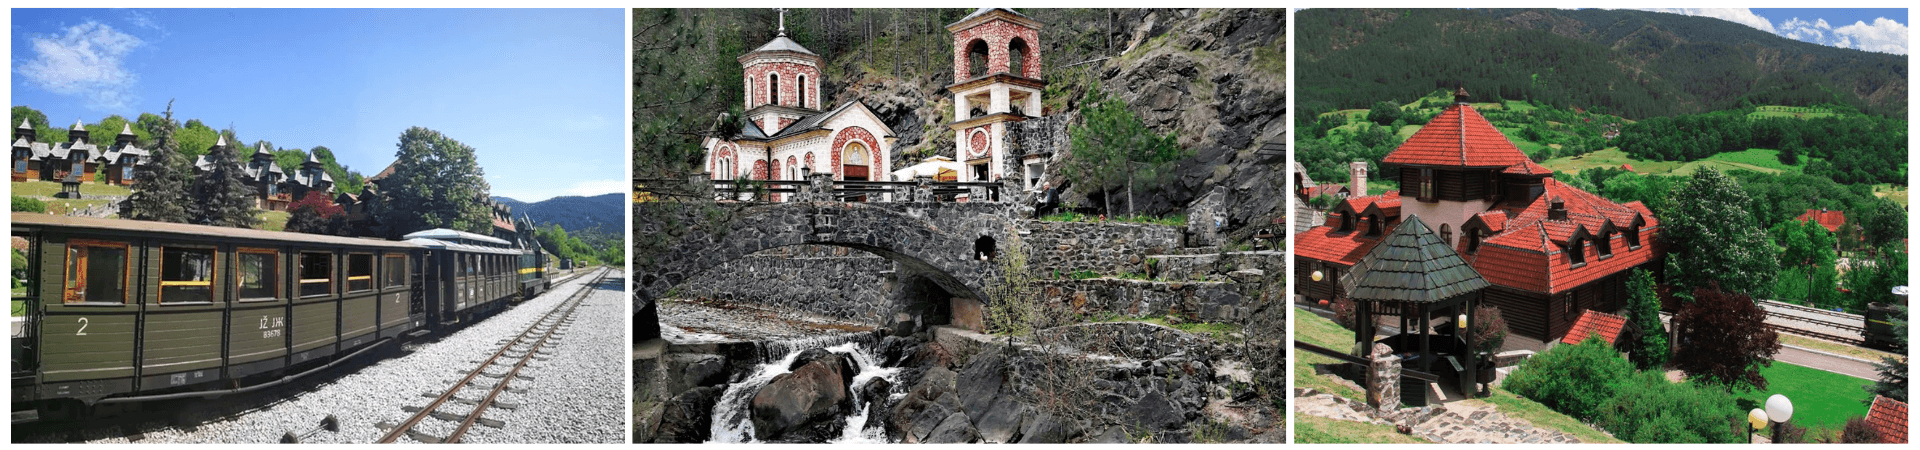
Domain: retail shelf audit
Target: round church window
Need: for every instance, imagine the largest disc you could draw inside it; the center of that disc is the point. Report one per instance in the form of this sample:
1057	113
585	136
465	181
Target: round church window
978	143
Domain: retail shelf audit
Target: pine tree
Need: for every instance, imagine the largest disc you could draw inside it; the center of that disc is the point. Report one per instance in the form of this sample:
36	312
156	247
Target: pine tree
1643	308
160	182
1113	146
219	196
1893	370
437	182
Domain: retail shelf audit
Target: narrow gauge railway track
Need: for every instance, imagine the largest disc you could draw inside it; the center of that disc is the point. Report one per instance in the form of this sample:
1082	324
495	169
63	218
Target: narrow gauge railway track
1816	323
517	353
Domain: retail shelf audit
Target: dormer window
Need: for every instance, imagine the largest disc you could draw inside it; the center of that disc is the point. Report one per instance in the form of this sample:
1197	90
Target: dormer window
1473	240
1576	251
1633	235
1375	224
1347	222
1604	246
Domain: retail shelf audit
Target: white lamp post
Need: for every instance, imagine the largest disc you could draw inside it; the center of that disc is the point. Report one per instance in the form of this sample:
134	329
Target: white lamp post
1756	420
1779	410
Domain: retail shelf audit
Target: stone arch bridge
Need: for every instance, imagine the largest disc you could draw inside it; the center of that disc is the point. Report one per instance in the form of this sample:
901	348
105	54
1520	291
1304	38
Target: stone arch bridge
937	242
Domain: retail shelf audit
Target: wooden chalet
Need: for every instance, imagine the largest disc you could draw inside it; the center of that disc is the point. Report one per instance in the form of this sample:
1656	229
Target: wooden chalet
1550	250
75	161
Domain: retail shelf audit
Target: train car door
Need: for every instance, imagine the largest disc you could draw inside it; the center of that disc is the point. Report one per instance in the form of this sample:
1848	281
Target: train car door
184	314
89	314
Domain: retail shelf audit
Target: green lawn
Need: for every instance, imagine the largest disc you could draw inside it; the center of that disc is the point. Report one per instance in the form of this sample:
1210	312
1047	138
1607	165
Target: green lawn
1316	330
273	220
1896	193
1612	158
1821	399
48	188
1797	112
19	307
61	205
1321	430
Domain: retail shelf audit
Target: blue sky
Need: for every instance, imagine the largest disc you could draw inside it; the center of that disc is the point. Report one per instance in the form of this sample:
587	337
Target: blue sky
1878	30
539	93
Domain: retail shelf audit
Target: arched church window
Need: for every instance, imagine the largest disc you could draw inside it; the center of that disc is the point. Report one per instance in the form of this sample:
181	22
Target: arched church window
1446	234
773	89
977	58
1017	57
800	87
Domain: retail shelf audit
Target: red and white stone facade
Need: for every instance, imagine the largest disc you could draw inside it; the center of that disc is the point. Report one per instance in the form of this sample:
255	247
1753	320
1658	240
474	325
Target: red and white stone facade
824	135
984	104
999	34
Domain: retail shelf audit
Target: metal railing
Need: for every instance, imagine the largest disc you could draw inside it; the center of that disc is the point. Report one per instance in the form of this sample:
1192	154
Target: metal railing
819	187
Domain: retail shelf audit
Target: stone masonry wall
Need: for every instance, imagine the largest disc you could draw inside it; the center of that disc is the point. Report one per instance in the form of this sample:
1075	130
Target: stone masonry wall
819	280
1203	301
1104	248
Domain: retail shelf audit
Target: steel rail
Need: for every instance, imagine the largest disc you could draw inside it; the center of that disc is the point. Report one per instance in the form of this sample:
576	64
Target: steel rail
427	411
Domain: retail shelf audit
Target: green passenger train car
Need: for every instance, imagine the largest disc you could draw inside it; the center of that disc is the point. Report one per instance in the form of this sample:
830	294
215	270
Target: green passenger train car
121	311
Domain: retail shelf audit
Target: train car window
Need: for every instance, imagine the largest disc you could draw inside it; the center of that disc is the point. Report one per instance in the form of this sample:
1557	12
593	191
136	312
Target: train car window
25	284
259	272
186	275
96	272
359	272
316	274
396	270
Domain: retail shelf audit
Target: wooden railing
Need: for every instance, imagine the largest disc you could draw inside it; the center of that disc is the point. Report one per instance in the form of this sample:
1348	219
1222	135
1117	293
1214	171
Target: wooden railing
1363	362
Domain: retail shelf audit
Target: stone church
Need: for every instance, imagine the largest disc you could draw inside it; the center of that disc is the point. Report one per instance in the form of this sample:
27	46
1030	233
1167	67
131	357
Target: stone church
789	130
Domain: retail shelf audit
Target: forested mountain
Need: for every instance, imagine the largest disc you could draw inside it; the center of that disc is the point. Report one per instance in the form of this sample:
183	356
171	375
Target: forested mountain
601	213
1634	64
1216	78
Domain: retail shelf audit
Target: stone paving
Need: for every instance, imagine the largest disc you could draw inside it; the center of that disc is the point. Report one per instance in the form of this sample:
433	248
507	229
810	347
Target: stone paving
1464	422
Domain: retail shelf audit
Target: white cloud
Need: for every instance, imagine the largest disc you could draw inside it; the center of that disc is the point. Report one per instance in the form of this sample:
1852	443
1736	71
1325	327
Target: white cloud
1884	35
598	187
1802	30
142	19
1741	16
87	61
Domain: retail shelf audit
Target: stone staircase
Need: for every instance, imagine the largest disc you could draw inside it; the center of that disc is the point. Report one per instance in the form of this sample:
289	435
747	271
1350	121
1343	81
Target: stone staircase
1452	423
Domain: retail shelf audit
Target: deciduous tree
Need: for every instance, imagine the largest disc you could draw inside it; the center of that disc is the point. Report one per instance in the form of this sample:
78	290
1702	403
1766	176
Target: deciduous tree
1724	340
437	182
1712	238
316	213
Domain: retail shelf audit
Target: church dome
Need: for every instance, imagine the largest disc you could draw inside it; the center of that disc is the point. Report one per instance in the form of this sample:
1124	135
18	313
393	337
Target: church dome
782	44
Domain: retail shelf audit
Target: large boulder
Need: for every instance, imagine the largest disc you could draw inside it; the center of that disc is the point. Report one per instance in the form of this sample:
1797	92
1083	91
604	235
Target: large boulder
1003	422
935	384
695	370
955	429
1047	428
803	405
688	417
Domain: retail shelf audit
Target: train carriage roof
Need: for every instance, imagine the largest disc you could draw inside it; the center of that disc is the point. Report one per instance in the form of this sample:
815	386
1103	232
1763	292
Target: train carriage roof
189	230
437	244
450	234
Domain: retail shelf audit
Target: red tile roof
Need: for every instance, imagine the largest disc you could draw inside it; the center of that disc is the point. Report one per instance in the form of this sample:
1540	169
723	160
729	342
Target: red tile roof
1325	244
1832	220
1326	189
1592	322
1458	137
1528	167
1889	418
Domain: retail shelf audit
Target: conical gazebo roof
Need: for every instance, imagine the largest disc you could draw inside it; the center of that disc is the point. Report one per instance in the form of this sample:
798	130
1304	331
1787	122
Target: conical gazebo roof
1411	264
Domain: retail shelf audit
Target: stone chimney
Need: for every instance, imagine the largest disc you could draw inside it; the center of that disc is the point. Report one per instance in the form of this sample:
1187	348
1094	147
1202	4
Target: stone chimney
1357	170
1557	209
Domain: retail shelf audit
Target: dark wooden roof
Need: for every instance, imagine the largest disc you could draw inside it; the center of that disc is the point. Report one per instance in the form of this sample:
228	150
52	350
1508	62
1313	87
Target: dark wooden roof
1411	264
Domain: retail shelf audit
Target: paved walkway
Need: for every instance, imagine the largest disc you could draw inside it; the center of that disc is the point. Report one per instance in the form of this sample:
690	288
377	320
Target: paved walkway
1827	362
1463	422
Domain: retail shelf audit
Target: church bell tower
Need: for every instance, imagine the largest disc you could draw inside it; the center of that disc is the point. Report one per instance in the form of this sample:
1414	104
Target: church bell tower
996	72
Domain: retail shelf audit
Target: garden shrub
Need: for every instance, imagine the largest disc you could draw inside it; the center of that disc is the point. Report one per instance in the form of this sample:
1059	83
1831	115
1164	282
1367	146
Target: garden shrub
1572	379
1857	431
28	204
1649	409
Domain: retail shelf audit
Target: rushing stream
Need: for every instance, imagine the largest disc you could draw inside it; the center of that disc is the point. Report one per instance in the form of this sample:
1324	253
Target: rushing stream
732	415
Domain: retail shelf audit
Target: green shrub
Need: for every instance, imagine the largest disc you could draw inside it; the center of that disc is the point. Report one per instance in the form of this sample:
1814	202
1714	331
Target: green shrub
28	204
1572	379
1649	409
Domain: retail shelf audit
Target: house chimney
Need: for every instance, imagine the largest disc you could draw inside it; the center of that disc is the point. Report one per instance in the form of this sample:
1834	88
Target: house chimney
1557	209
1358	181
1460	95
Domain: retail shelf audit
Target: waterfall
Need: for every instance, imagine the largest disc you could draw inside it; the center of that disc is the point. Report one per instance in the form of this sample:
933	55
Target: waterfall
732	415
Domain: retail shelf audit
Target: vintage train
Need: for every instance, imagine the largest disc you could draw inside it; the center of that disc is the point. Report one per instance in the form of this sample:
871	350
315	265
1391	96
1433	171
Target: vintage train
123	311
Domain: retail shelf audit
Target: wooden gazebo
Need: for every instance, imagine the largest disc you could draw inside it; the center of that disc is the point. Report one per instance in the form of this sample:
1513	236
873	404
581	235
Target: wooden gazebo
1414	275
